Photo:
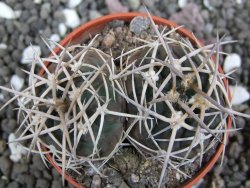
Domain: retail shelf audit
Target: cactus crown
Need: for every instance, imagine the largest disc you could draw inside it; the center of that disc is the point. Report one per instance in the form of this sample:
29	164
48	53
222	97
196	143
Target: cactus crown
165	97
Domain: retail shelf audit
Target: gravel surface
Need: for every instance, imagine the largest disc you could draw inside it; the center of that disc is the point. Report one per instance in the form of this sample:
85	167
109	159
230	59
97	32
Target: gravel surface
27	20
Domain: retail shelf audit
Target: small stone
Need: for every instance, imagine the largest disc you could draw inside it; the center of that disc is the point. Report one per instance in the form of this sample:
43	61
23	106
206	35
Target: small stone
13	184
45	10
134	4
29	54
182	3
231	62
62	29
239	94
72	19
42	183
17	82
123	185
74	3
115	6
139	24
2	146
135	178
108	40
38	163
234	150
57	184
5	165
18	168
9	125
96	182
93	14
247	184
6	11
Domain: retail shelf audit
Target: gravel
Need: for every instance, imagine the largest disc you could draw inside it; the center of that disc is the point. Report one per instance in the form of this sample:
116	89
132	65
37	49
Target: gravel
205	18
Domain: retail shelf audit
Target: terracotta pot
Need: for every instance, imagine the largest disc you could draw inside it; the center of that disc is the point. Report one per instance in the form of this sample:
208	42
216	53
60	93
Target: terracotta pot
95	26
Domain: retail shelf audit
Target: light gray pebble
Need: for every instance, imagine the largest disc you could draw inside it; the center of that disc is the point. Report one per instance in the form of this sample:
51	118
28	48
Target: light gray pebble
29	4
42	183
208	28
38	163
5	165
24	28
13	184
9	125
57	184
215	3
26	180
55	3
58	16
11	2
3	184
134	4
4	71
18	168
24	15
93	14
205	14
47	175
3	52
45	11
139	24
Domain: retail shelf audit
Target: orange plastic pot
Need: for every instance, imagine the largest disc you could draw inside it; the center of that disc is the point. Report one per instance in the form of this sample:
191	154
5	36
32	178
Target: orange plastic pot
95	26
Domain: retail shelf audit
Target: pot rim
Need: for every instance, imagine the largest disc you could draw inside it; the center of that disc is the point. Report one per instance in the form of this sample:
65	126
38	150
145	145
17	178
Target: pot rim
93	25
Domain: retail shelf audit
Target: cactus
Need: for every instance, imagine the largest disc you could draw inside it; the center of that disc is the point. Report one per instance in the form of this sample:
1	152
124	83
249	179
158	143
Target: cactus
166	97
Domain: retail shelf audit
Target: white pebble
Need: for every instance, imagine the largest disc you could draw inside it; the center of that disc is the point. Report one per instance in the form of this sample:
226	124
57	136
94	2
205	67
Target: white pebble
239	95
134	4
37	1
73	3
17	82
178	176
62	29
207	4
93	14
239	1
72	19
3	46
15	148
6	11
182	3
29	54
231	62
135	178
55	37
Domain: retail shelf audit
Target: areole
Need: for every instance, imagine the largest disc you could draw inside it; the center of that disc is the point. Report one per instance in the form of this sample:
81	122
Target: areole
93	27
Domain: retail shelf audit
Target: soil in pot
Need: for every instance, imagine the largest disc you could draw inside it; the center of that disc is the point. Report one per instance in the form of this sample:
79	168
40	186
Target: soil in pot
130	166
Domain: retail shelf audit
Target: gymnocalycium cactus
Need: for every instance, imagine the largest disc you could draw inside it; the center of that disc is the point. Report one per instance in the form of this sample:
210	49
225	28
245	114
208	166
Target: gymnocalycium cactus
166	97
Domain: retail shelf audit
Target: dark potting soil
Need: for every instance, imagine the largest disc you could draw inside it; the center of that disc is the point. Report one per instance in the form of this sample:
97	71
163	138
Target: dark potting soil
128	168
